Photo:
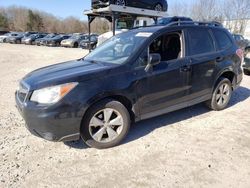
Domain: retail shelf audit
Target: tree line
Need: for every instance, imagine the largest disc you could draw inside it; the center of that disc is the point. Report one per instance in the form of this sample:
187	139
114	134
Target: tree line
23	19
234	14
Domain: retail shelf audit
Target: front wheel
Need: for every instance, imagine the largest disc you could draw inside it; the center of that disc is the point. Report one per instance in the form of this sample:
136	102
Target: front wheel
105	124
221	95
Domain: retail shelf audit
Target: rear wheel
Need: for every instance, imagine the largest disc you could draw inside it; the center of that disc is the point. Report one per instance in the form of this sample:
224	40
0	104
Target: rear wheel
120	2
18	41
221	95
105	124
158	7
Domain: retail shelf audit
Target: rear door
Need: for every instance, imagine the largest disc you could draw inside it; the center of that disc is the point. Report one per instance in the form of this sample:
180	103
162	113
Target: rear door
202	62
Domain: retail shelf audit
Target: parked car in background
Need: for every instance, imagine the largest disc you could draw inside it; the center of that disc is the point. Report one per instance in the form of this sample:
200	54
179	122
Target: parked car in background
168	20
17	39
158	5
31	39
244	44
56	41
73	41
4	38
246	66
241	41
133	76
40	41
105	36
89	44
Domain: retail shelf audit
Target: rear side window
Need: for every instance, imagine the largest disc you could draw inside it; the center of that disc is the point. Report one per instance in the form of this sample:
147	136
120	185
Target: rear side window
200	41
223	40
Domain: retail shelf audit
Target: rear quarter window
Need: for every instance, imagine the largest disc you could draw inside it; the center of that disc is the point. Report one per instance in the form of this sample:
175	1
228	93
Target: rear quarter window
223	40
200	41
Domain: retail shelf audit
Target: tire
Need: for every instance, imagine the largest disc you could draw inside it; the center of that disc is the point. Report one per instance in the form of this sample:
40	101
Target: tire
94	47
247	55
75	45
18	42
97	120
158	7
246	72
120	2
221	95
57	44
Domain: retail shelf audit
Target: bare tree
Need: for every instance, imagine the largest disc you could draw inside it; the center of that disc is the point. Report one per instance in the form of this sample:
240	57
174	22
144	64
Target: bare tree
206	10
180	8
236	13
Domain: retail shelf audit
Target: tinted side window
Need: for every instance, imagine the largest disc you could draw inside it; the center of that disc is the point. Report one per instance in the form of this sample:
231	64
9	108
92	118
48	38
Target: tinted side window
223	40
200	41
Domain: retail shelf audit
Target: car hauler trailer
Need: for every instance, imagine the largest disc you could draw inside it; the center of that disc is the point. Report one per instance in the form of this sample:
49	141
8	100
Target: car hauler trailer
113	12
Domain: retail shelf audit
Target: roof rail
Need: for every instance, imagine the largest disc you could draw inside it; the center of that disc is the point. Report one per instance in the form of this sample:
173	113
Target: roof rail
179	23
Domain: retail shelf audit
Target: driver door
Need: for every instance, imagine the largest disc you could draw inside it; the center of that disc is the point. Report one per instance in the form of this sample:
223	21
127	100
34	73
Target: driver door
164	88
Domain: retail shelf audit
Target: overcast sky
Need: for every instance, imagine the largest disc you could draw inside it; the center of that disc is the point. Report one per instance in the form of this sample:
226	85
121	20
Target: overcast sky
60	8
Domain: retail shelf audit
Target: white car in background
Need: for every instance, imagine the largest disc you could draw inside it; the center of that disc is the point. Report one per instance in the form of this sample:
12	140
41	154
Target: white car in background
105	36
123	26
4	37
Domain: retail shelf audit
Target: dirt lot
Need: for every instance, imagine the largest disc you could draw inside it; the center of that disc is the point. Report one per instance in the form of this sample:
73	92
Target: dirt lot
193	147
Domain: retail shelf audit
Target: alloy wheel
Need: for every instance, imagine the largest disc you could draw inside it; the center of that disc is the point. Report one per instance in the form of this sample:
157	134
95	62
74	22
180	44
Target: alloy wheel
158	7
106	125
223	94
121	2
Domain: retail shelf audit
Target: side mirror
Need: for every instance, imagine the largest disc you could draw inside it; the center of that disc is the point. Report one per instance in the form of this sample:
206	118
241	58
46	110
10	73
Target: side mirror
154	59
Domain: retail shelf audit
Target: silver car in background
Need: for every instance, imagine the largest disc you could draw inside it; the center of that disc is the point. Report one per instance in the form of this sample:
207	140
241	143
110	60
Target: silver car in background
4	38
73	42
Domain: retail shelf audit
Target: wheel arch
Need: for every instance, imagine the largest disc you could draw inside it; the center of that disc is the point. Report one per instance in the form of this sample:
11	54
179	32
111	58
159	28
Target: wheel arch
226	73
120	98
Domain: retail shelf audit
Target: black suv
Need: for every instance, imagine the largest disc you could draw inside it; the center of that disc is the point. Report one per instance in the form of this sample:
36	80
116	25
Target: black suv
158	5
133	76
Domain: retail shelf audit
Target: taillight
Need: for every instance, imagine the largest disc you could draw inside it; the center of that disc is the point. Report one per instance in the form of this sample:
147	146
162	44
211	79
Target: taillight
240	54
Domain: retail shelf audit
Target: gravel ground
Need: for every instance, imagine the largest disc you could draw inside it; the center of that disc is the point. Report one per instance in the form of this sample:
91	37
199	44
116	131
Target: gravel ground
193	147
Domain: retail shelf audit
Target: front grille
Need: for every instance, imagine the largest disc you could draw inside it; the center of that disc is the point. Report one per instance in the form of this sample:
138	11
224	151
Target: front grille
22	93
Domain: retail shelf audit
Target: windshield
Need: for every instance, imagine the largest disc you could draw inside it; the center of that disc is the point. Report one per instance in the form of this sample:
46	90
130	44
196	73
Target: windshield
119	48
85	37
164	21
76	37
57	37
33	35
50	36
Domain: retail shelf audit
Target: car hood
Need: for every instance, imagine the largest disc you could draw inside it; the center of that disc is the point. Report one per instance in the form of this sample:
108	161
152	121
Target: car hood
71	71
3	36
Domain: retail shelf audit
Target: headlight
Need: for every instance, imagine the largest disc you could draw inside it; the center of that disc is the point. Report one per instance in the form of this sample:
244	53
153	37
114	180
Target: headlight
51	95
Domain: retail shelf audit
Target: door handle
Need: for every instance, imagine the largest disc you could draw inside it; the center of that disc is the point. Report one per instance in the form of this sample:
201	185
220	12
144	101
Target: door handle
186	68
219	59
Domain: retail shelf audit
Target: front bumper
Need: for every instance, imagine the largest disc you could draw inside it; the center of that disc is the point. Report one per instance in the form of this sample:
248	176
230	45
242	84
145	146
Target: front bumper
57	123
